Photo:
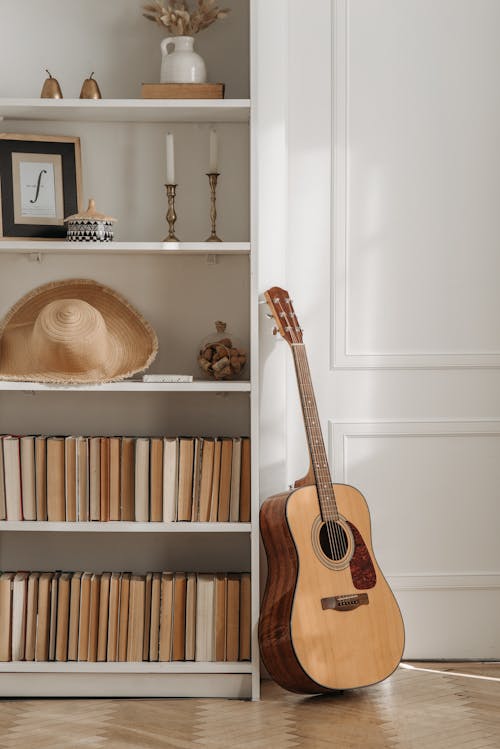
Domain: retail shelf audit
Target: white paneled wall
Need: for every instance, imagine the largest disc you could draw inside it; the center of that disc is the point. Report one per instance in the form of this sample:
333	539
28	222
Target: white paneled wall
392	261
416	167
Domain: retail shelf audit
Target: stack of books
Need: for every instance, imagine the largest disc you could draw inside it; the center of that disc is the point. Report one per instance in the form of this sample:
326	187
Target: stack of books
120	616
157	479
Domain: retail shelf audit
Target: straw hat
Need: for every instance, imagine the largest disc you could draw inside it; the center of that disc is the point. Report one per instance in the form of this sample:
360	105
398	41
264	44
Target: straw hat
74	331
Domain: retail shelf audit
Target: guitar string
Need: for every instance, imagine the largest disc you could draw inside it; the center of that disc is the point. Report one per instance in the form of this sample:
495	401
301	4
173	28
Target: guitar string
325	488
331	531
323	479
303	373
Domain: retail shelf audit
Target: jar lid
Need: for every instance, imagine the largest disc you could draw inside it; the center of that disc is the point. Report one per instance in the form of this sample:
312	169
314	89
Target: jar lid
90	214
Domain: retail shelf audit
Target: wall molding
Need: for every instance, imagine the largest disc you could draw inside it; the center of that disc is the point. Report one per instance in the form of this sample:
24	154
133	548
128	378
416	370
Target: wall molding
449	581
340	355
339	432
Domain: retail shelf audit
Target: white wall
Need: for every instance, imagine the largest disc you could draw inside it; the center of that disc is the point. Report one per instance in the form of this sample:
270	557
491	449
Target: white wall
392	261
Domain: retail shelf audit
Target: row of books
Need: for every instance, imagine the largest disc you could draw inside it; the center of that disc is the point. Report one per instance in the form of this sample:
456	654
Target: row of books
125	478
119	616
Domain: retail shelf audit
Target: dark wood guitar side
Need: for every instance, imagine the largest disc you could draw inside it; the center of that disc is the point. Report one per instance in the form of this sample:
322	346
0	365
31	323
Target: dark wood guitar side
275	639
329	620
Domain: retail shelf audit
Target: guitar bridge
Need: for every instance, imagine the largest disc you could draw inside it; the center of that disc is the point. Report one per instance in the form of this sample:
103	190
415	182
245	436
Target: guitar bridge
344	603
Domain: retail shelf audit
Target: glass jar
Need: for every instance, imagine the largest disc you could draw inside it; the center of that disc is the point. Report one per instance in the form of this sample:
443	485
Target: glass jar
220	355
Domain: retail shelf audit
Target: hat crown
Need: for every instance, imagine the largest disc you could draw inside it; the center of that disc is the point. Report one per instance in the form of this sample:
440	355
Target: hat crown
70	334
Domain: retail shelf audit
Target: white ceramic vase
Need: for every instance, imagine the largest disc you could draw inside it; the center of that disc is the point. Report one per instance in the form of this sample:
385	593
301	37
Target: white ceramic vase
181	64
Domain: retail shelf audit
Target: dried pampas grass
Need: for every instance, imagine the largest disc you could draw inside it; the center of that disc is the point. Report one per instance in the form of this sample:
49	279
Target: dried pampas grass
181	20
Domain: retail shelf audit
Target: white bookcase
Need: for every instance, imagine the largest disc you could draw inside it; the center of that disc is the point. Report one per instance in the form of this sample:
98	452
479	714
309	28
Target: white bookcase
181	289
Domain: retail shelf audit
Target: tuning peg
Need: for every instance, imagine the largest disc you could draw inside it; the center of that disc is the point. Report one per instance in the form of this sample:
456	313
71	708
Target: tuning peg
275	330
268	314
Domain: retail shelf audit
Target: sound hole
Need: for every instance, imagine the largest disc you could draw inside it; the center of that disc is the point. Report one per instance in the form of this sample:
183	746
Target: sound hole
333	540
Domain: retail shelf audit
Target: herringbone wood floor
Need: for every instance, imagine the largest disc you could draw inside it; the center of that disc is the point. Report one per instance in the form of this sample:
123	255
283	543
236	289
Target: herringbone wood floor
416	707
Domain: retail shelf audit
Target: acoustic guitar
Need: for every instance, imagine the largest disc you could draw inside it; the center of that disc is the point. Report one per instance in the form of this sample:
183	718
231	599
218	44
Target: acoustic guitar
329	620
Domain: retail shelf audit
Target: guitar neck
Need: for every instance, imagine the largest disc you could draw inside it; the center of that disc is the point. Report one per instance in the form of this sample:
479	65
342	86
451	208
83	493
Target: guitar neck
319	460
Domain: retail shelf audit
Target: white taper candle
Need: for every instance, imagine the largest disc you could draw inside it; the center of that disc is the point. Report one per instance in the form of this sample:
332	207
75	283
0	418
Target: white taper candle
213	152
170	160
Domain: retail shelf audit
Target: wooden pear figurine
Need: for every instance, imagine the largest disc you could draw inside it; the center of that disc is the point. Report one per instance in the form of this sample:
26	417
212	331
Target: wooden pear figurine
90	89
51	88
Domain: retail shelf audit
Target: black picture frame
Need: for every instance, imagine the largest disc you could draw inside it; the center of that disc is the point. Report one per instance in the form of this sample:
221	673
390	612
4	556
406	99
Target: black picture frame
22	151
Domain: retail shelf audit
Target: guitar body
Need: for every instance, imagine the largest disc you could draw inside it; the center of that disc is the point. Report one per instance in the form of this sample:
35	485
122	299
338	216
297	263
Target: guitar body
329	620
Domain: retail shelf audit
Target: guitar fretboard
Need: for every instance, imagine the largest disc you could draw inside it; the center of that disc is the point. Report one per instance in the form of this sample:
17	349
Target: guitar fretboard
314	435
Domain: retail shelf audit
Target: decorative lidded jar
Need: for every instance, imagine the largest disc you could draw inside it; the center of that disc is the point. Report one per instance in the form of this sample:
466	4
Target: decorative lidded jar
220	354
89	226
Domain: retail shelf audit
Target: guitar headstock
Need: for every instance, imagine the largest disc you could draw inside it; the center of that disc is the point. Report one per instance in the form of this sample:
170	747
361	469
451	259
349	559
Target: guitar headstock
284	315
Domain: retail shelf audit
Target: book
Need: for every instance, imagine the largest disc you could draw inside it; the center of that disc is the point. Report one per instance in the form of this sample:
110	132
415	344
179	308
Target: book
6	580
127	479
94	478
12	477
54	585
154	633
102	627
95	590
41	477
43	617
214	500
114	478
147	616
170	478
245	483
156	479
31	615
245	616
123	616
70	478
205	639
167	378
74	615
135	635
113	618
56	500
182	91
225	479
104	480
82	478
234	499
190	616
179	618
206	478
233	618
27	455
185	493
195	500
84	617
19	601
220	616
63	606
3	509
141	486
166	616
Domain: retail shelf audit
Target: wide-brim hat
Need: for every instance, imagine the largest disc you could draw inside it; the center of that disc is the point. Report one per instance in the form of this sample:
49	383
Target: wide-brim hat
74	331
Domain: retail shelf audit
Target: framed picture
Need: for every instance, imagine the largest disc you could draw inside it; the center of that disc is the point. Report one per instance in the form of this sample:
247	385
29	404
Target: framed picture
40	184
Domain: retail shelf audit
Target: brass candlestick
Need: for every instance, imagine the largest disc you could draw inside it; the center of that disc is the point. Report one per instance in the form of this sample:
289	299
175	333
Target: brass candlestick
212	180
171	214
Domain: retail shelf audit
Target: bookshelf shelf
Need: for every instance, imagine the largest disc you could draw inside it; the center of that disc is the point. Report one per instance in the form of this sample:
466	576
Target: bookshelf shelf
126	110
201	386
34	526
54	247
145	667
